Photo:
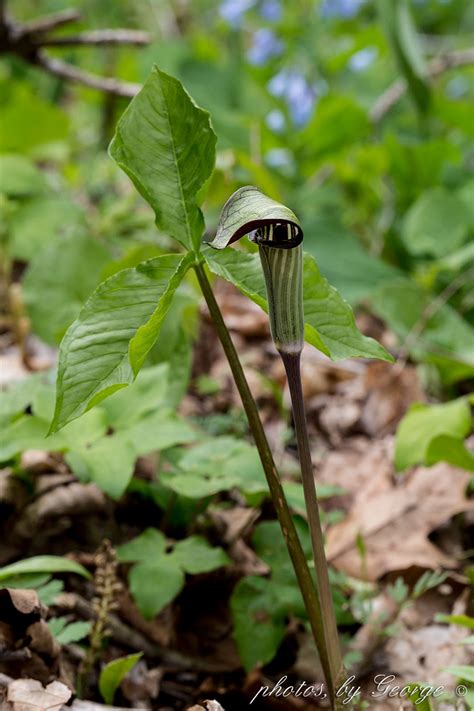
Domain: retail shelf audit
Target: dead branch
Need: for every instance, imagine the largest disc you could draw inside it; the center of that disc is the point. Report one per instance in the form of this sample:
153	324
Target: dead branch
97	37
437	66
66	71
28	40
129	637
51	22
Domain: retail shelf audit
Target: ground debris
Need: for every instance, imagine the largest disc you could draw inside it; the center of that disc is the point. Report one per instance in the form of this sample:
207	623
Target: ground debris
29	695
27	645
208	706
394	517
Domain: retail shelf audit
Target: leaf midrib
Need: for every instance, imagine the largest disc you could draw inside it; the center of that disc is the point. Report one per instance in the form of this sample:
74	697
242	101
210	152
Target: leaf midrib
178	172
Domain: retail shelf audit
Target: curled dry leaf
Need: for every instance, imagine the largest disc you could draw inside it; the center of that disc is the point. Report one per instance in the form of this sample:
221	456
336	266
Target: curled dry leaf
27	645
395	521
30	695
389	394
208	706
361	466
36	461
20	605
72	499
241	314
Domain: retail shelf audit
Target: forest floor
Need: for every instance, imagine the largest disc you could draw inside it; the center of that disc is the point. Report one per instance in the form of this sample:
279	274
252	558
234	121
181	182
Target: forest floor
381	526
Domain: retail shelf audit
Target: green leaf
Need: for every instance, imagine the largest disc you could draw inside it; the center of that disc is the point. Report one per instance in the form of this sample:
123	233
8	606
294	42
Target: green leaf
166	145
463	620
338	123
295	495
419	695
112	675
216	465
42	220
42	564
398	23
106	346
159	430
195	555
329	321
446	339
423	423
67	633
328	317
461	672
154	584
158	575
437	224
149	545
109	462
246	210
359	273
27	121
446	448
270	545
145	395
19	177
258	631
54	296
48	591
30	432
25	433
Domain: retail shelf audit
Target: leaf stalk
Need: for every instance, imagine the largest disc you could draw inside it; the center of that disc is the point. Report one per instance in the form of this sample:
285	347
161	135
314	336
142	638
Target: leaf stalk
292	363
315	609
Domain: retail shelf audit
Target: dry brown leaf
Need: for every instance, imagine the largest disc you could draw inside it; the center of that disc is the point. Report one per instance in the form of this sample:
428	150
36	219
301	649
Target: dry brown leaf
42	640
318	373
233	523
141	684
389	394
36	461
338	417
363	466
74	499
240	314
27	644
17	600
395	522
246	560
30	695
425	652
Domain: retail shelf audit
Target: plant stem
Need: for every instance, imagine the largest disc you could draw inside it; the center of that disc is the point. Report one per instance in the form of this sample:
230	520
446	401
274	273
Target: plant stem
309	592
291	362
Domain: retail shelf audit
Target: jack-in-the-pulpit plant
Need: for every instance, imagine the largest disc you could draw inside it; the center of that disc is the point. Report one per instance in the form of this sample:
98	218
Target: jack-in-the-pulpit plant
278	234
166	145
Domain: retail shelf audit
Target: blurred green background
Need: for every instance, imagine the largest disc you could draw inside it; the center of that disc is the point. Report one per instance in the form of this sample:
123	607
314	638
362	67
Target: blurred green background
294	90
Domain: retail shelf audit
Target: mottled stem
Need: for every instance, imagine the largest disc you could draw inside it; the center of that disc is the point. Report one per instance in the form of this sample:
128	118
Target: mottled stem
293	370
313	604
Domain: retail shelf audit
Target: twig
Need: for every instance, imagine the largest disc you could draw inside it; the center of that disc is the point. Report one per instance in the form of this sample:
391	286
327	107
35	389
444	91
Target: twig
61	69
50	22
27	41
96	37
132	638
437	66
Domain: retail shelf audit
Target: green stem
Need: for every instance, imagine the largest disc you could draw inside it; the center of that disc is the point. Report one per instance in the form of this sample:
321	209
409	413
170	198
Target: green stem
309	593
293	370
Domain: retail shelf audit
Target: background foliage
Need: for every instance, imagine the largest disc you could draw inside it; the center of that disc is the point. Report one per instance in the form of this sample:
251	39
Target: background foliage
385	194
